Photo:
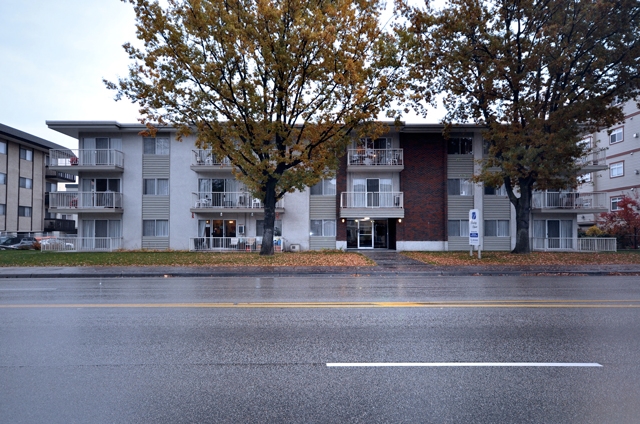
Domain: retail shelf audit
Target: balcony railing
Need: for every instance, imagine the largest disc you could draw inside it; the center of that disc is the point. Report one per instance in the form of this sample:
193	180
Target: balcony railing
569	200
86	157
85	200
207	158
375	157
597	157
228	200
585	244
85	244
233	244
394	200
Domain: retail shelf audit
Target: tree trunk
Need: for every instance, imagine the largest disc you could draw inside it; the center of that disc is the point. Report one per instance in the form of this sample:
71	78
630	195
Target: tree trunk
523	216
269	218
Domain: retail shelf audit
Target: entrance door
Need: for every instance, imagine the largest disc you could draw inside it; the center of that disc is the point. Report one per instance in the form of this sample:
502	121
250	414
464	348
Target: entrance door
365	235
553	234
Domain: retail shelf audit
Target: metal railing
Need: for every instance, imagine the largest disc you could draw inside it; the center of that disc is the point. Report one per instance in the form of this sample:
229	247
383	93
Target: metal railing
375	157
86	157
569	200
597	244
597	157
234	200
393	200
207	158
84	244
586	244
85	200
232	244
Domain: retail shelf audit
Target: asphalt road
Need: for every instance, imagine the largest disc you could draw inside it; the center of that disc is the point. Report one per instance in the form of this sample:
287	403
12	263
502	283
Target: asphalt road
467	349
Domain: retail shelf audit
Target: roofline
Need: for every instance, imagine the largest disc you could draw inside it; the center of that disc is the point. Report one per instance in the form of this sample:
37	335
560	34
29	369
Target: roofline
16	135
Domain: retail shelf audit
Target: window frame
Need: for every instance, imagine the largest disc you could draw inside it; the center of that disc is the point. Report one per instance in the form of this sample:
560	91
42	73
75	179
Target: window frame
323	185
156	144
3	178
463	145
323	227
488	227
461	182
616	131
3	209
146	222
24	182
497	191
615	200
28	154
25	211
3	148
611	168
156	187
460	227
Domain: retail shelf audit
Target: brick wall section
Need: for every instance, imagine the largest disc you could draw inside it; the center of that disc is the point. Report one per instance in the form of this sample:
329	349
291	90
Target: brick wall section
424	183
341	186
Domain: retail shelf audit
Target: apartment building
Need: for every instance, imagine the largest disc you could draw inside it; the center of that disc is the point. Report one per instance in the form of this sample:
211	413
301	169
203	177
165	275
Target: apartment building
408	190
622	176
24	180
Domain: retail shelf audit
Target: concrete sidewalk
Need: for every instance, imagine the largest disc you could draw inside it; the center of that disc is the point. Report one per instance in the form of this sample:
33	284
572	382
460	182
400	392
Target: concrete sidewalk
388	264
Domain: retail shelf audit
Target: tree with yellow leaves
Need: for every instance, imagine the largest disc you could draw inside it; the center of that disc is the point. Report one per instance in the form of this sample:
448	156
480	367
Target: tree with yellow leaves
276	86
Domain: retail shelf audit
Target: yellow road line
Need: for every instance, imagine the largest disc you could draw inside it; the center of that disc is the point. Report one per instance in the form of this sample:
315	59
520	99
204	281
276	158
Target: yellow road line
445	304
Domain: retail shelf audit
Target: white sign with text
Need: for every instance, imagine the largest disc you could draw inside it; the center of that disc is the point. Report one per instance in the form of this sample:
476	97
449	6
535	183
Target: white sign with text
474	227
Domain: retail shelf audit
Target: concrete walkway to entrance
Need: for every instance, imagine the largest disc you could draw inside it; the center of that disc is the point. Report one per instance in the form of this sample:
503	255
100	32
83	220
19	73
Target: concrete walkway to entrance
391	259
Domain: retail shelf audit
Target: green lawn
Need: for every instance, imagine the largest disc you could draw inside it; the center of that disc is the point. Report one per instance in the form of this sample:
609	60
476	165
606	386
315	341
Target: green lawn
10	258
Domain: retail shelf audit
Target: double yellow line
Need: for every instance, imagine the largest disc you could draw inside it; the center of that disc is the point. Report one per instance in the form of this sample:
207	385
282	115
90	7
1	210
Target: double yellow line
542	303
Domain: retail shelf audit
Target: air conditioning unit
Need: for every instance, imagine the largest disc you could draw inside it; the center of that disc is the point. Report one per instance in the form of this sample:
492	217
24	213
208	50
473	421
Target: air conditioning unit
294	247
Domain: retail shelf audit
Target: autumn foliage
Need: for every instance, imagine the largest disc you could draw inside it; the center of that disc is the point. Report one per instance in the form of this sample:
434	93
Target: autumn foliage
623	223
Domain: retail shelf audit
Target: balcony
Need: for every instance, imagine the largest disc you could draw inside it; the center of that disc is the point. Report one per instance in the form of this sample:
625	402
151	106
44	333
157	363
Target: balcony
229	202
372	160
82	202
593	162
584	244
74	161
205	160
373	205
569	202
232	244
84	244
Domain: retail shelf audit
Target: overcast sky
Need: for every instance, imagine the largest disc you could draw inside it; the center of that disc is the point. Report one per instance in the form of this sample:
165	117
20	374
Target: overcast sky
55	54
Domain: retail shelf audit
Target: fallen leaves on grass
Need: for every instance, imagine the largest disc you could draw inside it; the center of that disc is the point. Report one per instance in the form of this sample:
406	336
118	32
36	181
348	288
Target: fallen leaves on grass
534	258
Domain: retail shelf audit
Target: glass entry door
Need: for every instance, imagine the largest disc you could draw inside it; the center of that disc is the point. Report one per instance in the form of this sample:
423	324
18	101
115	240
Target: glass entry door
365	235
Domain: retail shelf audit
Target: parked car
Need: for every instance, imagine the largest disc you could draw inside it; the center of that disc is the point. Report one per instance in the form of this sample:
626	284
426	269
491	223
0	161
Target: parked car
56	244
18	243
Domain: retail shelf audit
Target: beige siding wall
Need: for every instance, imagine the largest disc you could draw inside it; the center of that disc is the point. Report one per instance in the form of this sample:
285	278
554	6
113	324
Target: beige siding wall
155	207
459	166
497	207
13	172
459	207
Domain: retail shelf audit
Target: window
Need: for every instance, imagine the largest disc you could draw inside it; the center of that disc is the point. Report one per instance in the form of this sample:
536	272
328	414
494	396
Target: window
3	148
156	186
3	209
493	191
156	146
496	228
458	228
26	154
378	143
26	182
614	203
3	178
24	211
585	178
460	146
323	228
459	187
615	136
326	187
155	228
616	170
277	228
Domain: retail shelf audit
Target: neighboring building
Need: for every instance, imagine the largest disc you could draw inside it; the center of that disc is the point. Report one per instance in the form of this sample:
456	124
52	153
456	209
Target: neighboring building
24	180
409	190
622	176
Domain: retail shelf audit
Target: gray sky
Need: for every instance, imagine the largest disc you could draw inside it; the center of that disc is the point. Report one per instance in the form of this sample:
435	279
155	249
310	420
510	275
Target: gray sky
55	54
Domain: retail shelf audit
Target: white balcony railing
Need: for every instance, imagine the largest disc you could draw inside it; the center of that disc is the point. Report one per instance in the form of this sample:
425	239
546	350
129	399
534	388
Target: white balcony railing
233	244
393	200
375	157
228	200
85	200
569	200
585	244
86	244
86	157
207	158
597	157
